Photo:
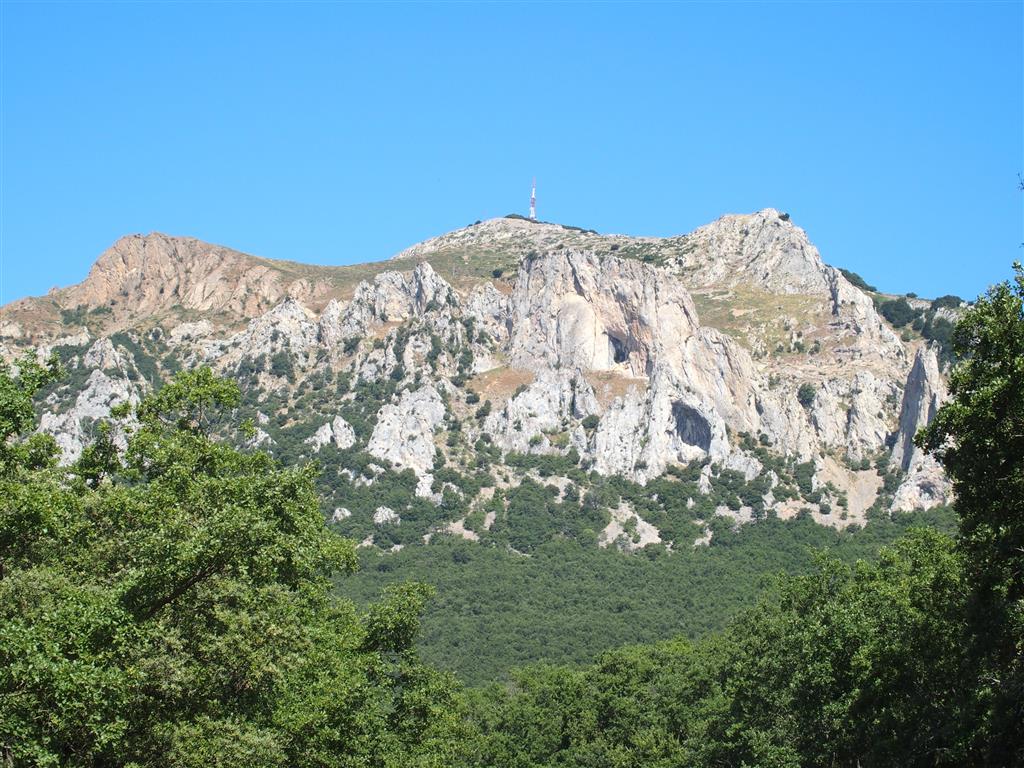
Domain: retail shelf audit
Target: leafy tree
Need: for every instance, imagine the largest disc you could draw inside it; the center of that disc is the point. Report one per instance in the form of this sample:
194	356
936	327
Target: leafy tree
898	312
805	394
173	607
979	438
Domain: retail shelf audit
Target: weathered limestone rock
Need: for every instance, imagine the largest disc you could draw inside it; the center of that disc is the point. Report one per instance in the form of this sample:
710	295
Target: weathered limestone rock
104	356
393	297
186	332
602	324
628	531
143	275
404	434
336	431
925	485
923	394
340	513
490	308
530	419
576	310
386	516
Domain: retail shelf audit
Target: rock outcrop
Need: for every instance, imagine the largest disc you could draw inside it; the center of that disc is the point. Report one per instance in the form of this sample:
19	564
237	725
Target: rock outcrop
145	275
925	484
404	434
338	431
393	297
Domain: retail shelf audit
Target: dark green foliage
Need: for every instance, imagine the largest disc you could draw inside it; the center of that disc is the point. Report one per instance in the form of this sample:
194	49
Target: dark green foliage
569	601
947	302
845	666
361	412
898	312
173	608
281	365
545	464
805	394
591	421
979	438
75	316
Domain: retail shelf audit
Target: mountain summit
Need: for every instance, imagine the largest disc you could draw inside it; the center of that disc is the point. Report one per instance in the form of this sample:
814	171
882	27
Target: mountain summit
732	359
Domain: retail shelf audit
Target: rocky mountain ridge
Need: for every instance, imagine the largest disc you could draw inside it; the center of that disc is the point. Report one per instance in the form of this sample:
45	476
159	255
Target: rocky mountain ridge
513	351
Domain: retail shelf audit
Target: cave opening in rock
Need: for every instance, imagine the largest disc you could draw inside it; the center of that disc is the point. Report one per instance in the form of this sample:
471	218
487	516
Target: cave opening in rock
617	349
691	427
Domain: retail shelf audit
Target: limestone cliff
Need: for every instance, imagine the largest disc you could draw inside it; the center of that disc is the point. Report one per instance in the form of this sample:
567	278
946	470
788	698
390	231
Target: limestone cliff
734	345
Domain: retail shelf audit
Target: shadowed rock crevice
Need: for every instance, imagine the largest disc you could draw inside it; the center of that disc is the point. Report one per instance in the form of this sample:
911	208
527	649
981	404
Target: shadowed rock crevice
618	351
691	427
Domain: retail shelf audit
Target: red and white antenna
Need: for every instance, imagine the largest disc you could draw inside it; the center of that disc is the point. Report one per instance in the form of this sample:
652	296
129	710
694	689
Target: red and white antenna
533	200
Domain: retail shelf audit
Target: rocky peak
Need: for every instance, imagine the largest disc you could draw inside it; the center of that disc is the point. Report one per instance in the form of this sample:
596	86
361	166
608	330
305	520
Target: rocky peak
144	275
392	296
764	248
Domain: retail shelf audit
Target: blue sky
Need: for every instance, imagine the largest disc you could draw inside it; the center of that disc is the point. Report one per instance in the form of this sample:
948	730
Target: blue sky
329	133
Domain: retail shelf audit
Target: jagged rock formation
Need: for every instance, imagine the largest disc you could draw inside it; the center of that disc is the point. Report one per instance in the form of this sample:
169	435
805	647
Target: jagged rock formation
404	434
149	274
628	355
925	485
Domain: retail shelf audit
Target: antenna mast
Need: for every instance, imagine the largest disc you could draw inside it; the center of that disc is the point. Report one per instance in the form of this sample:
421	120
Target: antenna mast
533	200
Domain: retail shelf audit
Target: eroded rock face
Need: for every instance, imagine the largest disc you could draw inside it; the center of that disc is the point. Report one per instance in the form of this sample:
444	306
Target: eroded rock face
576	310
926	484
404	434
102	355
579	311
531	419
490	308
386	516
394	297
589	332
764	248
923	394
628	531
145	274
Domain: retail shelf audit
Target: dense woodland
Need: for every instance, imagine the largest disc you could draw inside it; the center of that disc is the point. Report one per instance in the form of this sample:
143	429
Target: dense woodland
182	603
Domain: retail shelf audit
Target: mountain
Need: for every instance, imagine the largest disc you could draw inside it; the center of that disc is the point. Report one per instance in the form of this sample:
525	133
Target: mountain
648	386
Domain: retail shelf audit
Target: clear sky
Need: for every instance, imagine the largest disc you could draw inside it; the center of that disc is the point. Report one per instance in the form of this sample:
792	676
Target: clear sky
330	133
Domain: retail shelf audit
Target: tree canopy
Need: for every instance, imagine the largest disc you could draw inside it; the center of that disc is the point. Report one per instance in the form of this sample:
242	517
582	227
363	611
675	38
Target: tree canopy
173	607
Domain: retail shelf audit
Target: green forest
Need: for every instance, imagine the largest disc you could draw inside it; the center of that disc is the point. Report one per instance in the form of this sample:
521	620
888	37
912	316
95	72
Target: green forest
182	603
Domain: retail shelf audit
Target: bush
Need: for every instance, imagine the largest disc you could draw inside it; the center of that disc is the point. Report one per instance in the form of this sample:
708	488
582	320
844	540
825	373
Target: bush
948	301
591	421
281	365
805	395
898	312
